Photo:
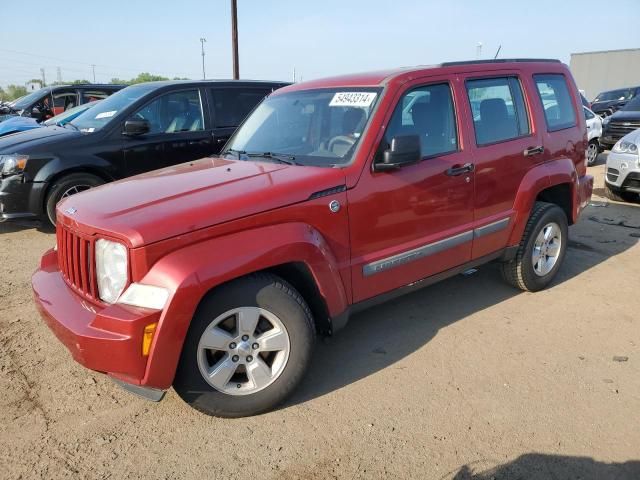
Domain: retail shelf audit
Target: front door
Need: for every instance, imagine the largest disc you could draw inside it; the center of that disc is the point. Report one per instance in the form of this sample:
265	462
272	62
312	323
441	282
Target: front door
416	221
176	135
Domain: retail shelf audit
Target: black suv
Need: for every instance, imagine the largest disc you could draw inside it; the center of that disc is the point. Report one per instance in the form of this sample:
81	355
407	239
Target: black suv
624	121
50	101
609	102
140	128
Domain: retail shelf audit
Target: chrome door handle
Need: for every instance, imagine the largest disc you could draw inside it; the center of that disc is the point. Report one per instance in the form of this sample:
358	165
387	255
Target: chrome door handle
533	151
459	169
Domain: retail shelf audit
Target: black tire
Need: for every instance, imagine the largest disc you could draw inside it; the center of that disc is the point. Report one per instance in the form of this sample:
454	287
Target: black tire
268	292
64	184
613	193
520	272
598	151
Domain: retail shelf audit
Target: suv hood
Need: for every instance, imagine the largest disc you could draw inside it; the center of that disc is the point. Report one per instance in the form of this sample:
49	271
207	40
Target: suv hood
622	115
22	142
173	201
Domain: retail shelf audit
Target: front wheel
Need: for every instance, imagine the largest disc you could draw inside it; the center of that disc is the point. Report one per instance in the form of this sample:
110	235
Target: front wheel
618	195
65	187
541	250
248	346
592	152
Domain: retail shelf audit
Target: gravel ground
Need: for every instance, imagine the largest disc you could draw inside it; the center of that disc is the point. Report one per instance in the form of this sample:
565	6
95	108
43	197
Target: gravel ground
467	379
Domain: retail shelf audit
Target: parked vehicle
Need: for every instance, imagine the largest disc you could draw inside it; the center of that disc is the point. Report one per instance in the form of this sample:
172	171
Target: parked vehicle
141	128
621	123
22	124
594	132
51	101
622	179
215	276
609	102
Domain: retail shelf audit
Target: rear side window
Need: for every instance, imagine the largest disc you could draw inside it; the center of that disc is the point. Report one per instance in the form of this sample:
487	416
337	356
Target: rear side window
232	105
498	108
559	112
428	112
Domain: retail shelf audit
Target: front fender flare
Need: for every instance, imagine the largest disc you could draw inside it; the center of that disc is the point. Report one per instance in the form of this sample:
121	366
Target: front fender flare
190	272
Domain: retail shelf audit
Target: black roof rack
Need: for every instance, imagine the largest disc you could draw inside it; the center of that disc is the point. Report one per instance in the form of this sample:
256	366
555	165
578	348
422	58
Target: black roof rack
500	60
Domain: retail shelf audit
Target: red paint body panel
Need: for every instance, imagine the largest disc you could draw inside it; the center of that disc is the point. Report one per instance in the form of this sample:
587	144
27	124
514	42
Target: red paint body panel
195	226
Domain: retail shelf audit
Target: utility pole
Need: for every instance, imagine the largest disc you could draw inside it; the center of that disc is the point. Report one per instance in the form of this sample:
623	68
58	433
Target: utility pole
44	80
202	42
59	75
93	67
478	50
234	39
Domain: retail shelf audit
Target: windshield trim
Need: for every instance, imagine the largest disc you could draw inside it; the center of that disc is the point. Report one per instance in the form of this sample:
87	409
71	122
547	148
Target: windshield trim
380	91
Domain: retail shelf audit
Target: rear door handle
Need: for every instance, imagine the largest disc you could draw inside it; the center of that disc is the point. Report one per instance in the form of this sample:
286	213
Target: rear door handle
459	169
533	151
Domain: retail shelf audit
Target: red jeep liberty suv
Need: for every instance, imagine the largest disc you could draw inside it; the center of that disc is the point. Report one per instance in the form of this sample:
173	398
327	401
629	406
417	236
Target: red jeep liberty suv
214	276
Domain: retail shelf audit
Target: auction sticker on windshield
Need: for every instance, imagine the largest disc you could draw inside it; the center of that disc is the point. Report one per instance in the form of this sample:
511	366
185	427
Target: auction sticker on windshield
106	114
353	99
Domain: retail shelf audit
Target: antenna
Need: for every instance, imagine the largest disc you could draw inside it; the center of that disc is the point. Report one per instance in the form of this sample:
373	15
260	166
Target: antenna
496	55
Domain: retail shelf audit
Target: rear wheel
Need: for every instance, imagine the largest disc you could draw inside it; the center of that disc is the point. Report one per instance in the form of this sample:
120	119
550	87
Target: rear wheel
613	193
541	250
592	152
67	186
247	348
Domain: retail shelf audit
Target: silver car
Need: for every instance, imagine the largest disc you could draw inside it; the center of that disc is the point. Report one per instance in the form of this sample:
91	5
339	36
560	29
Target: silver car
622	179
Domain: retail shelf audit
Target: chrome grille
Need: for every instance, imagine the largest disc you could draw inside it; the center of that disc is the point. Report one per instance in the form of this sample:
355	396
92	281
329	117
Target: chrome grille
620	129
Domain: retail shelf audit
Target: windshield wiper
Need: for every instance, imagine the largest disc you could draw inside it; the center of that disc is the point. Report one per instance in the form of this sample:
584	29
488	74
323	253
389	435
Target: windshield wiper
279	157
65	125
237	152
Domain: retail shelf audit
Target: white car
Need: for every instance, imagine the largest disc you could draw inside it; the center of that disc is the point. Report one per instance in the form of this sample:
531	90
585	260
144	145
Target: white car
622	179
594	131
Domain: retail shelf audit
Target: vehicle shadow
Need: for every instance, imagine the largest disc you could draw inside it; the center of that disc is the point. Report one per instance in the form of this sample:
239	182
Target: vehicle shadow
21	225
379	337
537	466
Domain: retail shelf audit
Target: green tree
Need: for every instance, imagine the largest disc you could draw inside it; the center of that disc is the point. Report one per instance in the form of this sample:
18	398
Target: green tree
13	91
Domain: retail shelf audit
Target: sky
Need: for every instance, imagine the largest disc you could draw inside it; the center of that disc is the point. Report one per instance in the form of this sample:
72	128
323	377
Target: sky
316	38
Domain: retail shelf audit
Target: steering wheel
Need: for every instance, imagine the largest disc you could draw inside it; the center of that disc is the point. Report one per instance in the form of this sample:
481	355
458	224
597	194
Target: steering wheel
349	141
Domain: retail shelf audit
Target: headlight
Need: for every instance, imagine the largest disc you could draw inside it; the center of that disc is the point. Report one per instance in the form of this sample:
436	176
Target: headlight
625	147
146	296
12	164
111	269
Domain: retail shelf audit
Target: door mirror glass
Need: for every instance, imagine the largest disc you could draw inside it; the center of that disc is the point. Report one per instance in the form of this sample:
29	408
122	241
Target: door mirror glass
136	126
404	150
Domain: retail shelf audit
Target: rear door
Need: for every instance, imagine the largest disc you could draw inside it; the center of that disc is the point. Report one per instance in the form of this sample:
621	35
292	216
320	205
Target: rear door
505	146
229	107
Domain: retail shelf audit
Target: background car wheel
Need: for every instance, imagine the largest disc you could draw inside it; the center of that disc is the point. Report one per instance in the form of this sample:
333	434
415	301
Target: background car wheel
617	195
67	186
248	347
592	152
541	249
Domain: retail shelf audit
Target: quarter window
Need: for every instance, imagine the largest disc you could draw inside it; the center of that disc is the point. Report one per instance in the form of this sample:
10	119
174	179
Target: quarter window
428	112
499	112
232	105
559	112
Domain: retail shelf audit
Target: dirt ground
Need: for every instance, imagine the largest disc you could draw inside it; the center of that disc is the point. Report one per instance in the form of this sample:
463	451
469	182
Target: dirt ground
467	379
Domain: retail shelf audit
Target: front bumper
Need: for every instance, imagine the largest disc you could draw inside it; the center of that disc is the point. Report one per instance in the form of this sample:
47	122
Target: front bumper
20	198
623	172
106	339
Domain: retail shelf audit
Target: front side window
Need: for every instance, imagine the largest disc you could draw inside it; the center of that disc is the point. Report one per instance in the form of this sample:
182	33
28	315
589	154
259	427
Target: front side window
499	112
429	113
316	127
588	114
173	112
554	94
233	104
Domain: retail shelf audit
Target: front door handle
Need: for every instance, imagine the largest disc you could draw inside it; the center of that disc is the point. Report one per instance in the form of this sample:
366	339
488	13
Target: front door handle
533	151
459	169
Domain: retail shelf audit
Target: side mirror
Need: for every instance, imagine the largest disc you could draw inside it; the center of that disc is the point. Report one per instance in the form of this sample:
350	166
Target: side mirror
404	150
136	126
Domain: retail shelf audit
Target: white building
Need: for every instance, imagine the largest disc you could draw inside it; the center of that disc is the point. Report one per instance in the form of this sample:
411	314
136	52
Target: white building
606	70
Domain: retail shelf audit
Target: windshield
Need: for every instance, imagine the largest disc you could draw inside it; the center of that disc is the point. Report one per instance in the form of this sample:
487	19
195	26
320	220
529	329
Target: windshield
96	118
623	94
27	100
315	127
68	115
633	105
